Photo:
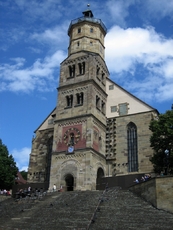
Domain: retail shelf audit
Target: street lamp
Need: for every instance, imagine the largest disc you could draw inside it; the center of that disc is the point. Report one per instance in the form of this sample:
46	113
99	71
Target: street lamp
166	161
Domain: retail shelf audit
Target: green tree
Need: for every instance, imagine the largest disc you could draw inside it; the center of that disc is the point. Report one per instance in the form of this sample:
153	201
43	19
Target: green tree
8	169
24	174
161	140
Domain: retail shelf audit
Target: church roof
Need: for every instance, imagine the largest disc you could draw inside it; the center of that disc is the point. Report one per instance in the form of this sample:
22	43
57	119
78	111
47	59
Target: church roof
130	94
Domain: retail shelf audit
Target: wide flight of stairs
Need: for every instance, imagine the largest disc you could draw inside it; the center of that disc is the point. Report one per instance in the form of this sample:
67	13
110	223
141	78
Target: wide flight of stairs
114	209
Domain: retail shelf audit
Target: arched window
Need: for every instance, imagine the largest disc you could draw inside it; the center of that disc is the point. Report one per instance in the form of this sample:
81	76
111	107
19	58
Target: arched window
97	102
79	97
69	100
103	77
103	107
97	70
72	71
132	147
81	68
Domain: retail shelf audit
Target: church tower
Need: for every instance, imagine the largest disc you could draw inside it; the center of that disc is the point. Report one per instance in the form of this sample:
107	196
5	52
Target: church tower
98	130
78	157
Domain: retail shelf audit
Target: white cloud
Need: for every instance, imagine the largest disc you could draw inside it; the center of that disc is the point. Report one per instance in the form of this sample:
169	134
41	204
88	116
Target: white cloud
21	157
38	9
126	49
54	36
118	10
168	69
158	9
39	76
132	45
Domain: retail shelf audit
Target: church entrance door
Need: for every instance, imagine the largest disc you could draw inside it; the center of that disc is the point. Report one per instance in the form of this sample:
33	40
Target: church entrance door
100	173
69	179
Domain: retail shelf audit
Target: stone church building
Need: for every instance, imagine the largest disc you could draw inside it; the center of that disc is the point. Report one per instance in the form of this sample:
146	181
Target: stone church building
97	128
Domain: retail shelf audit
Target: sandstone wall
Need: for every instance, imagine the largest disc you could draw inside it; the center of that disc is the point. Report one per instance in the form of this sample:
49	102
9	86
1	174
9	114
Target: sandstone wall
158	191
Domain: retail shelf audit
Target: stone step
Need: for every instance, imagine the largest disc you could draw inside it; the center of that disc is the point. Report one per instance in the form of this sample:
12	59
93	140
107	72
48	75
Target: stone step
118	209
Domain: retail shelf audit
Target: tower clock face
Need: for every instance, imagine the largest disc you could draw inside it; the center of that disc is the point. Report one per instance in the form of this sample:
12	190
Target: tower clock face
71	136
71	149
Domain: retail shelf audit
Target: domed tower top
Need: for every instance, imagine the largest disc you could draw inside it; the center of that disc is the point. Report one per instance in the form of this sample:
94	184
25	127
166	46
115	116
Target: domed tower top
87	34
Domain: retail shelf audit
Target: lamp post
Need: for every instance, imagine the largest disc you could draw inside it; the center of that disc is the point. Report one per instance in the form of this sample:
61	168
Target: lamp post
166	161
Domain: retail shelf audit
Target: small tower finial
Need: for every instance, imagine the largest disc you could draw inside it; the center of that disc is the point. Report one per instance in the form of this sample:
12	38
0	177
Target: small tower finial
88	5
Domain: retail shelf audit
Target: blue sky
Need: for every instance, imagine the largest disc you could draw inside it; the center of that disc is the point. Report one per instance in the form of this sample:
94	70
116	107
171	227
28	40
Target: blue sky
34	41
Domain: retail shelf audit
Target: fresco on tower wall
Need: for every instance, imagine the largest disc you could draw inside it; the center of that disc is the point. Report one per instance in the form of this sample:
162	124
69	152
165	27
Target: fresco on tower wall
71	135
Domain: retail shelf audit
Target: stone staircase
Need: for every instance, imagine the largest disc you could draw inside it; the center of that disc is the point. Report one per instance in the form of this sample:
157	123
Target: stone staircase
112	209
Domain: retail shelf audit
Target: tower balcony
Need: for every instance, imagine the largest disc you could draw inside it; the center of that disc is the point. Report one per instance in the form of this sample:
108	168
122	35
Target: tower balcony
87	19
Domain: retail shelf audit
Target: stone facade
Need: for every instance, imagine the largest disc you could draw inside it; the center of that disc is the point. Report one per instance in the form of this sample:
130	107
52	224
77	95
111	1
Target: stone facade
158	191
142	121
97	128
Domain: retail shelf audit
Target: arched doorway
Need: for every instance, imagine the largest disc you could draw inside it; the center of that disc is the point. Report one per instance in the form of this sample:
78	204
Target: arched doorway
69	179
100	173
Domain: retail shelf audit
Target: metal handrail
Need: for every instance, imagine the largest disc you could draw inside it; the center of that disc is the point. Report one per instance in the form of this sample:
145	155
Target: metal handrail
82	19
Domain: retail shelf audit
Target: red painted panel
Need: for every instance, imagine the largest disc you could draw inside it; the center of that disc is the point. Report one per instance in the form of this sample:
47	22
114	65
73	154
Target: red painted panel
80	141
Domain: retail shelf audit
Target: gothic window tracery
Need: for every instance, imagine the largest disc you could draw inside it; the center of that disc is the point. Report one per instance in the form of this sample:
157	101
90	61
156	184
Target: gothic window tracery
132	147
